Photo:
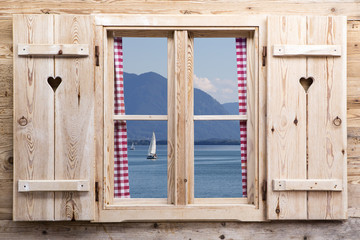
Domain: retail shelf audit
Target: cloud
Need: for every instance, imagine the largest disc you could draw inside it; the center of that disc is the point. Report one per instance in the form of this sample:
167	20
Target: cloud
223	90
204	84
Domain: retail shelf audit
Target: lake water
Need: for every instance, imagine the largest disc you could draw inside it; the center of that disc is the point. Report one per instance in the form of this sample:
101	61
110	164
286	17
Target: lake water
217	172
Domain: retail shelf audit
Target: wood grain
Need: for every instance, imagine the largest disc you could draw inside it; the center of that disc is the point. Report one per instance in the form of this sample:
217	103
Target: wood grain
74	118
307	185
181	79
108	121
171	146
327	101
241	7
53	49
53	185
307	50
286	128
332	230
34	103
99	123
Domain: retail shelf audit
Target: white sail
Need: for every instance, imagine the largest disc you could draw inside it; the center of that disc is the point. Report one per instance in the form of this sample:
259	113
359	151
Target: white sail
152	147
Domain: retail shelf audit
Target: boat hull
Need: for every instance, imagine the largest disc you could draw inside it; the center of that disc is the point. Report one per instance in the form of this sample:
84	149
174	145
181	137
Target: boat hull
152	157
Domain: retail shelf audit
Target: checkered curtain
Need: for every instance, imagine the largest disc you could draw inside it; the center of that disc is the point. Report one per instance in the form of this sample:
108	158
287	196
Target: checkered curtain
121	173
241	76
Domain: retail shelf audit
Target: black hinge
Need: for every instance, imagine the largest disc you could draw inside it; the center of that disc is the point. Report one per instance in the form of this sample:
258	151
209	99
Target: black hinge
264	190
264	53
96	191
97	55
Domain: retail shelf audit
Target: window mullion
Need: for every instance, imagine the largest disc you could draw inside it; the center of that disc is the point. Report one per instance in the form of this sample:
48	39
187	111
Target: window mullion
183	116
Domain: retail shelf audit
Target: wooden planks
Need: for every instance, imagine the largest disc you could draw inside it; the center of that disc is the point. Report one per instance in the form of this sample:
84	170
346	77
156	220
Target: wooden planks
53	185
286	126
322	120
34	105
53	49
307	185
307	50
74	118
326	102
54	137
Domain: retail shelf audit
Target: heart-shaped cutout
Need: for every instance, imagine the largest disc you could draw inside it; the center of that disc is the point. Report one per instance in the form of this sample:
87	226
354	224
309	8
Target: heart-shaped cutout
54	82
306	83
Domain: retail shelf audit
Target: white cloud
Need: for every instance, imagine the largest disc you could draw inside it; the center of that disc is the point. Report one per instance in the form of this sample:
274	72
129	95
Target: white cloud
204	84
223	90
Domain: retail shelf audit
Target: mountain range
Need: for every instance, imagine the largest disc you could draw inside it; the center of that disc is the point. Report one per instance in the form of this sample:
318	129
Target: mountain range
146	94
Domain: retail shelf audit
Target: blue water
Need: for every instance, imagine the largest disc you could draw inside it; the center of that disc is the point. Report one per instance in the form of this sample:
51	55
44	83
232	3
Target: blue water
217	172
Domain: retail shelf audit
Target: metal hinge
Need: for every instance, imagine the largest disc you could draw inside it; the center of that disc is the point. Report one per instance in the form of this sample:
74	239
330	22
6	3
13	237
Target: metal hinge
96	191
97	56
264	54
264	190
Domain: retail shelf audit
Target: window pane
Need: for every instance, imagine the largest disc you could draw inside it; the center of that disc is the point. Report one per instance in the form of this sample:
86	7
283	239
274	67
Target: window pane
215	77
145	76
217	159
147	177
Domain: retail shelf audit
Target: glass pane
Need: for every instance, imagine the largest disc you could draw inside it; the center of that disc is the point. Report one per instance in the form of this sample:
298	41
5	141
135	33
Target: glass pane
215	77
145	76
147	177
217	159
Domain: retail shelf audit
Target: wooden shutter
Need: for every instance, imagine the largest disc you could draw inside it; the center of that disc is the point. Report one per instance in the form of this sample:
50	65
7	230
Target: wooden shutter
53	130
306	130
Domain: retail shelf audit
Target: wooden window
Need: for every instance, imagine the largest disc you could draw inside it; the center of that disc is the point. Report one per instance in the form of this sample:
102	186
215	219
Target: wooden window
180	119
63	118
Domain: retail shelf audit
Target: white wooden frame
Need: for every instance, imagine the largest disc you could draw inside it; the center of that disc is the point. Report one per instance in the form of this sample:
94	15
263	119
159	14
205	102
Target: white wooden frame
177	207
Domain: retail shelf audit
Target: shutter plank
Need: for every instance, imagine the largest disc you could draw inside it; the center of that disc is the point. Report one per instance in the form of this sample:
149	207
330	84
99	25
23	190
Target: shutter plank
74	121
286	135
327	100
34	101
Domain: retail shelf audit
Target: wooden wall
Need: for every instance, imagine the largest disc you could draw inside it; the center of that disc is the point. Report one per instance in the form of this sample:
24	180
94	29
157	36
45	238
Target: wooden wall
275	230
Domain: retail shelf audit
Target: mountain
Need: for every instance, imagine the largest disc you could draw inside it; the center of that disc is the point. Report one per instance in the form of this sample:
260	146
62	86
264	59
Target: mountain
146	94
232	108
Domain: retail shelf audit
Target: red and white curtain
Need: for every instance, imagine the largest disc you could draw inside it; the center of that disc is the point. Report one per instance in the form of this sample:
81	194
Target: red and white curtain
121	170
241	76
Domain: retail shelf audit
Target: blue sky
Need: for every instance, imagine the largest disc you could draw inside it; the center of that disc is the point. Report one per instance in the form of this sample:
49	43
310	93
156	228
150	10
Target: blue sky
214	63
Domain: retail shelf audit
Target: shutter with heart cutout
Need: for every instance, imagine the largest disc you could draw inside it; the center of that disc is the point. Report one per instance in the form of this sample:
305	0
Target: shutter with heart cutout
306	111
53	117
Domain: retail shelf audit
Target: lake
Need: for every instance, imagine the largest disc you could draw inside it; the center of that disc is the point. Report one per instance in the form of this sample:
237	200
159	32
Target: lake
217	172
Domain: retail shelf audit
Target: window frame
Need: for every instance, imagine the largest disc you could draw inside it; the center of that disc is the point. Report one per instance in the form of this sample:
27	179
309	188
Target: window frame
182	208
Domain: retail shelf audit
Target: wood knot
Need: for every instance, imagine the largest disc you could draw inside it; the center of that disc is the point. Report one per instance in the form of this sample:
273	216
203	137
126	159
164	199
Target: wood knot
222	236
272	129
23	121
185	180
296	121
337	121
333	10
45	11
10	160
60	52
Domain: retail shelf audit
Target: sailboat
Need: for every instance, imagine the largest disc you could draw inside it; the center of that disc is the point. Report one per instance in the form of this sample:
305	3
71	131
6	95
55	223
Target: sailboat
152	148
132	146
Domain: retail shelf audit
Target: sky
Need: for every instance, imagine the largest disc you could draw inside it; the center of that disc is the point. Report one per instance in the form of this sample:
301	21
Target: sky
214	63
